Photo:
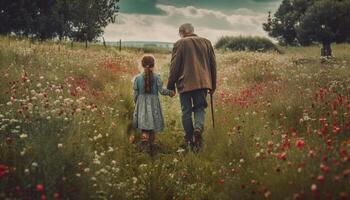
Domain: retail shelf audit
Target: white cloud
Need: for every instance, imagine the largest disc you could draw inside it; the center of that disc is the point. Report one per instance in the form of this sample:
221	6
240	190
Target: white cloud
208	23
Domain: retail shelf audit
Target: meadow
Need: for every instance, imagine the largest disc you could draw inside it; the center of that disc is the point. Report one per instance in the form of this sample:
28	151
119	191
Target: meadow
282	129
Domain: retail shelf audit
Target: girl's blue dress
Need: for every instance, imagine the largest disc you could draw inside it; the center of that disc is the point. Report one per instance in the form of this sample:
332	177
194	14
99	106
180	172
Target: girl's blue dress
148	112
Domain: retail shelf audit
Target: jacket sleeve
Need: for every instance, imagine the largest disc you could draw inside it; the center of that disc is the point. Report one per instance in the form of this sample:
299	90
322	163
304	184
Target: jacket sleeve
175	65
161	90
213	66
136	90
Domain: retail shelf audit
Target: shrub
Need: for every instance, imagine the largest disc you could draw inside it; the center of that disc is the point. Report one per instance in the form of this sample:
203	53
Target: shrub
249	43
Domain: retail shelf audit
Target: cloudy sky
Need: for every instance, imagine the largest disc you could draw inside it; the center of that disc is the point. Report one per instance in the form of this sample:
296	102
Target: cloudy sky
158	20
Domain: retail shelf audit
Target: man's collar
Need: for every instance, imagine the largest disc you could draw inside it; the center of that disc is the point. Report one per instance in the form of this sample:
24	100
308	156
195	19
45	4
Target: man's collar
190	35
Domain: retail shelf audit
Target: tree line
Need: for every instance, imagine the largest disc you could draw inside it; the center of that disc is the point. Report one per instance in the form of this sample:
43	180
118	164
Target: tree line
77	20
305	22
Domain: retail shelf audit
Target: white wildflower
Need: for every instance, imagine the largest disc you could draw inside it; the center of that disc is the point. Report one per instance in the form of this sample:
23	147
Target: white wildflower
180	150
134	180
110	149
34	164
23	136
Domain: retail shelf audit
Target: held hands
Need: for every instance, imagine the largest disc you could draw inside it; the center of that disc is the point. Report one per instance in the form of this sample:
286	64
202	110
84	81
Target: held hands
173	94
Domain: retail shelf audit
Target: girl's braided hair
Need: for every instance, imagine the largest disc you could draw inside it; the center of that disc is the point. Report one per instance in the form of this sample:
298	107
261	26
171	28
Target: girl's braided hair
148	64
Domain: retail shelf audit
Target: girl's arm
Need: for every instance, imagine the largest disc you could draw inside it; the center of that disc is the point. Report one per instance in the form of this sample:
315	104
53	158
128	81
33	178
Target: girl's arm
161	90
136	90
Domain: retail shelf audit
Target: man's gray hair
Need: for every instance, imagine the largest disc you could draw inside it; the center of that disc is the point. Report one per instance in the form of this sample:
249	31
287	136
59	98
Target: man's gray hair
186	28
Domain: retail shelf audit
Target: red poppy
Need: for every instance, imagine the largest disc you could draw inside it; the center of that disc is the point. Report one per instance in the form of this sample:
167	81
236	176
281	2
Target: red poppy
320	178
300	144
282	156
324	158
56	195
314	188
343	196
336	129
325	168
40	188
4	170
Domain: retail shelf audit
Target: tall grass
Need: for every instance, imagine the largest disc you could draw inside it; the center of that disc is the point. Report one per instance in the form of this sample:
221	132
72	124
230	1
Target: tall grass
65	114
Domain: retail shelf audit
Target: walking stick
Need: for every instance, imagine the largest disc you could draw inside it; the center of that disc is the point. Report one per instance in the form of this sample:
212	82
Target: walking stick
212	109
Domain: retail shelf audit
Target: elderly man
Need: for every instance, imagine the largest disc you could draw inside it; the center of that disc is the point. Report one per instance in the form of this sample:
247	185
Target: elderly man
193	71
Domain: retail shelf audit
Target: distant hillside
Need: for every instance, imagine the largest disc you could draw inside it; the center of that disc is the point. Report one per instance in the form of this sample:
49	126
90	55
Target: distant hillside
143	44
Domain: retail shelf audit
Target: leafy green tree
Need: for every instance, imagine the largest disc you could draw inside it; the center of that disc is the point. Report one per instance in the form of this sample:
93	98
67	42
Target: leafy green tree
64	13
4	16
304	22
79	20
325	22
17	16
46	21
90	17
282	24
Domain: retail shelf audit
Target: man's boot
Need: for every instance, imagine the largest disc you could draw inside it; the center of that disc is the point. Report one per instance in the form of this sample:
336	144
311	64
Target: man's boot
197	138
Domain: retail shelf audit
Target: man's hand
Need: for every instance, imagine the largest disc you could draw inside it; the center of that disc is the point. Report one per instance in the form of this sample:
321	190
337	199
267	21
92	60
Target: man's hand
173	94
211	92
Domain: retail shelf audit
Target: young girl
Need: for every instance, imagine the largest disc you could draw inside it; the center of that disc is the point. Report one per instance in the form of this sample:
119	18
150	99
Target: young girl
148	116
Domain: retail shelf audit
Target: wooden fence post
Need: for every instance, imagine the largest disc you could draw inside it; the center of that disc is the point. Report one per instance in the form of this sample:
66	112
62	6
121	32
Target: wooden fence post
104	42
86	41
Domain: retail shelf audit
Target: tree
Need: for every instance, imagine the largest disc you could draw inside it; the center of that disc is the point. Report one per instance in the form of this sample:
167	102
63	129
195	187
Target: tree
325	22
4	16
90	17
304	22
17	16
80	20
64	14
46	22
282	25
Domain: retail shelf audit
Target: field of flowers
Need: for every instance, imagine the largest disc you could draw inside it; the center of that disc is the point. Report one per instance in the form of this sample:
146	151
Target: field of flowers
283	127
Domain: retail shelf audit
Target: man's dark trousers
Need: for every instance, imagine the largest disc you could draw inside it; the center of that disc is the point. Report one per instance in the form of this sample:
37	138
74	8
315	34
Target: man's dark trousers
193	102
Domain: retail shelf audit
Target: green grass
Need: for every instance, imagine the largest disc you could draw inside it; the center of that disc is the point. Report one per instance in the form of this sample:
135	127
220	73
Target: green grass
68	122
